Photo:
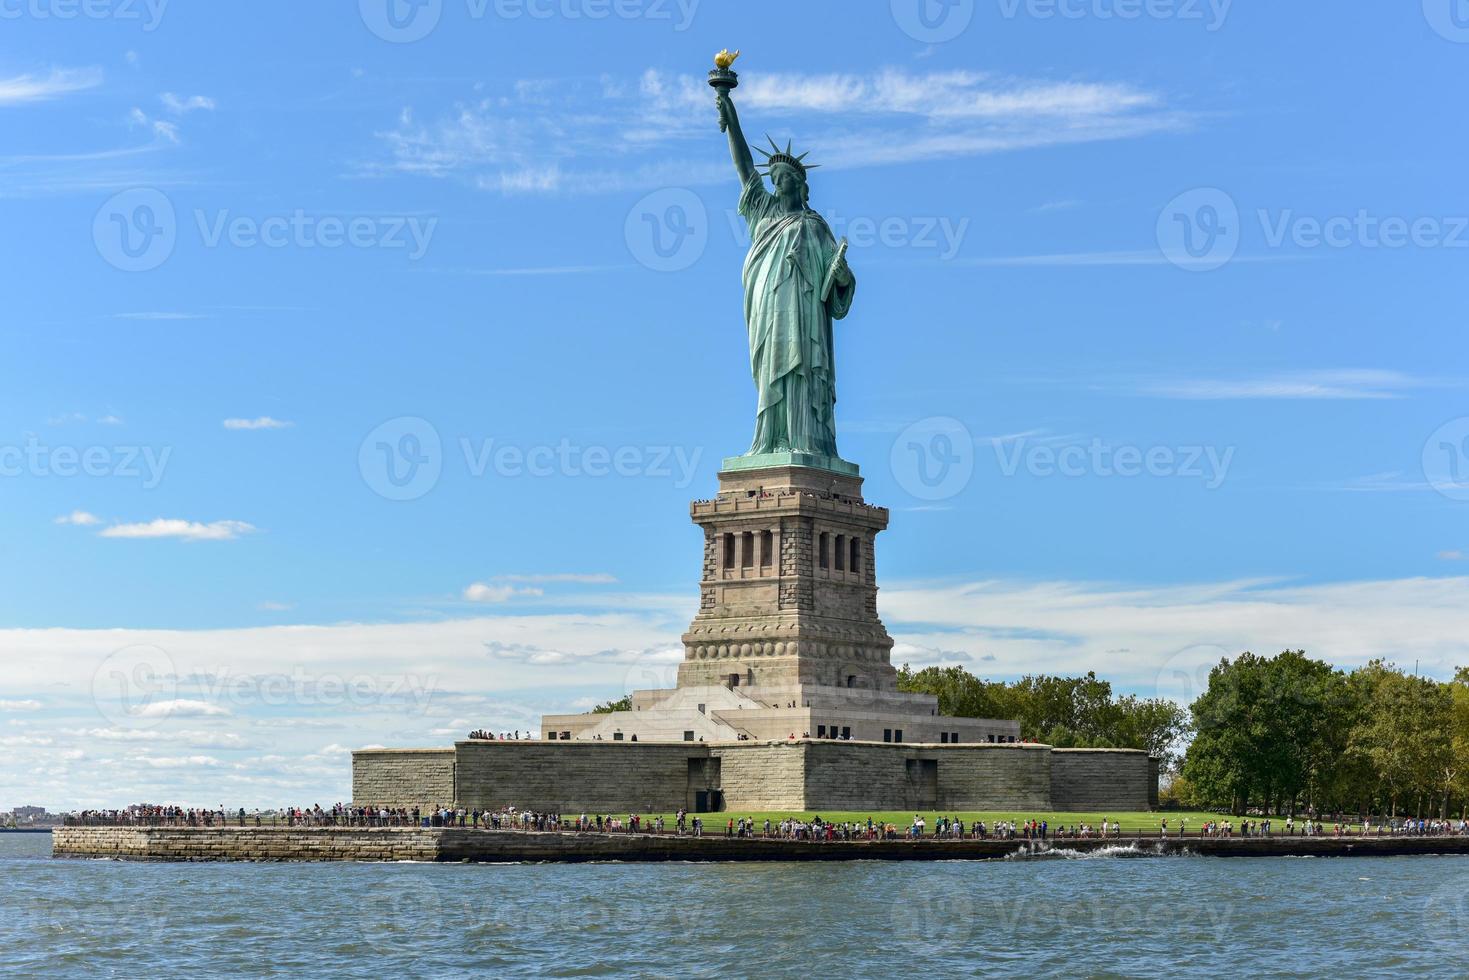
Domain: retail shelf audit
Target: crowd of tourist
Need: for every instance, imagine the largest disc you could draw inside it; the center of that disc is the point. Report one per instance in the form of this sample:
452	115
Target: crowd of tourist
790	828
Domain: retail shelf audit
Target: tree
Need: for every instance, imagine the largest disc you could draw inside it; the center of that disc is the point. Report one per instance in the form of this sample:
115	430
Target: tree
623	703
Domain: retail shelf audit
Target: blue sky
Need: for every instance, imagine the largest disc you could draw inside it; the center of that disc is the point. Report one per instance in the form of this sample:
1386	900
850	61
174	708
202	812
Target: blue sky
349	349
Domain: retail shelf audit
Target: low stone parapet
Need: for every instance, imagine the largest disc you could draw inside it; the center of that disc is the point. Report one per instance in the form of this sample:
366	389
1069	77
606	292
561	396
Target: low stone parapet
463	844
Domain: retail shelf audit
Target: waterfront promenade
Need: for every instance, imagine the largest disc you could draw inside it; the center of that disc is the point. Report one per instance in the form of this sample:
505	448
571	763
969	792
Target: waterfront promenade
445	844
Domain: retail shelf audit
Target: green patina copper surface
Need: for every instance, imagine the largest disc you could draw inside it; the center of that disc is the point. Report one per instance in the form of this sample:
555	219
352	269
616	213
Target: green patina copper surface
796	282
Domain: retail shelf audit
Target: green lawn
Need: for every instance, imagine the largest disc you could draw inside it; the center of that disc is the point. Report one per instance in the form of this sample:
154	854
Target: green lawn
1132	822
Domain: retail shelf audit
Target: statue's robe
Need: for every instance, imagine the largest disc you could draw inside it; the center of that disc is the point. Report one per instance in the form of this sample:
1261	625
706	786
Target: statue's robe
790	325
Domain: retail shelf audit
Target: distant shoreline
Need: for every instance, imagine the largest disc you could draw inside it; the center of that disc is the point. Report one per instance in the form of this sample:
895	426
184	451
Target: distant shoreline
314	844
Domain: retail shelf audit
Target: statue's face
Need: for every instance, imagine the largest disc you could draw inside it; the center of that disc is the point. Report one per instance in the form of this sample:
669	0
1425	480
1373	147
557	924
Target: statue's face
790	187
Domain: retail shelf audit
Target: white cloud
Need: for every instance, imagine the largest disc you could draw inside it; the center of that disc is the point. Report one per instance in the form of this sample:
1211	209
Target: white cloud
192	738
180	708
263	422
1130	635
185	530
109	420
181	106
271	606
1451	555
501	671
27	704
79	518
62	81
481	592
537	137
160	128
177	761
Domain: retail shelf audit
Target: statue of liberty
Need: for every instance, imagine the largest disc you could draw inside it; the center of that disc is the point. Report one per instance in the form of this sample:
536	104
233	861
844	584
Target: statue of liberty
797	282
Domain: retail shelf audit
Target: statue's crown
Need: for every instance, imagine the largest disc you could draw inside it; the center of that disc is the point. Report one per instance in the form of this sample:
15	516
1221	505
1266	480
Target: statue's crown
777	155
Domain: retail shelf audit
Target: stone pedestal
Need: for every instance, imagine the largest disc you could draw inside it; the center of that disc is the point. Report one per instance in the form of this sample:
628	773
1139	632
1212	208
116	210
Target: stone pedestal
788	592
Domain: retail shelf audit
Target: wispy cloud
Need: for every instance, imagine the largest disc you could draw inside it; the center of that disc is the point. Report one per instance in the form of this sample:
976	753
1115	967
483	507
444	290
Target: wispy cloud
1144	638
79	518
585	578
161	129
263	422
22	89
181	529
180	708
180	106
487	592
26	704
538	137
1331	385
160	315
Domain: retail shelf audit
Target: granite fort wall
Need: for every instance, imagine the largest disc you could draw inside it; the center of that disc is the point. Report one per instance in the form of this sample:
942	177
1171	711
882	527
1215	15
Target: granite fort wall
763	776
403	777
994	777
785	775
837	776
568	777
1093	780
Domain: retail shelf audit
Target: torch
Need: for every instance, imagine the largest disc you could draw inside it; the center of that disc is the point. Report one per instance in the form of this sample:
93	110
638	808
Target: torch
722	79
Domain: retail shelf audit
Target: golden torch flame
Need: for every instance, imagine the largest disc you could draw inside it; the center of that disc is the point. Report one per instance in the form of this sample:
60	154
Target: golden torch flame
725	58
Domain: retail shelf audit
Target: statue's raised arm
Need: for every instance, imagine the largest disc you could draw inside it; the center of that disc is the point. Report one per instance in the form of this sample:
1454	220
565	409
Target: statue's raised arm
722	79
